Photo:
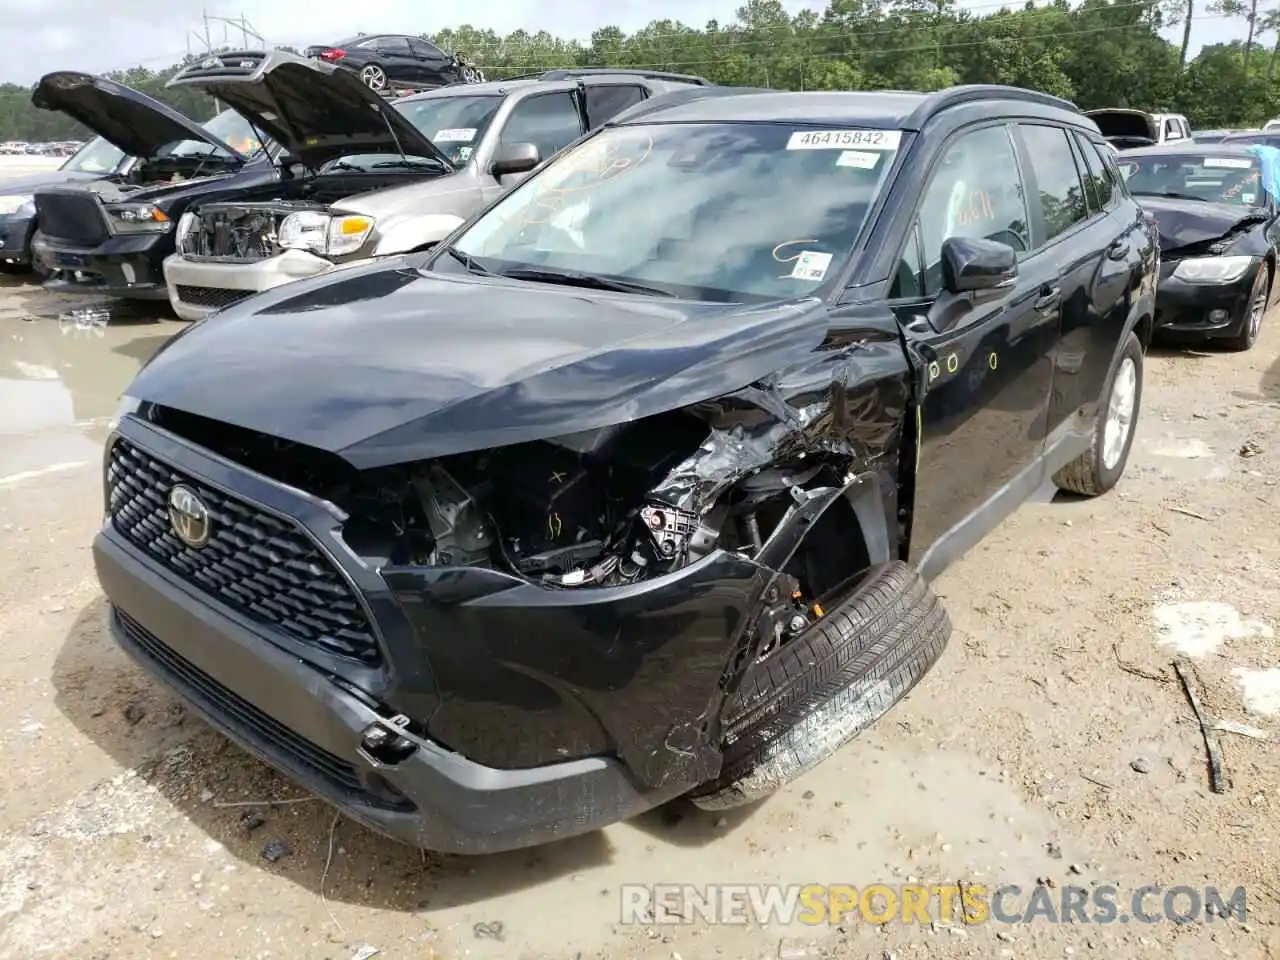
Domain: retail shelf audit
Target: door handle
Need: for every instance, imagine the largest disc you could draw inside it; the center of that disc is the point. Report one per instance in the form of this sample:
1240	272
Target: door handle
1048	299
1118	250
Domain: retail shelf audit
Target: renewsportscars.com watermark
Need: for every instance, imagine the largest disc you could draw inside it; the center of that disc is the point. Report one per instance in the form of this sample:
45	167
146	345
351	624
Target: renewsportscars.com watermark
882	903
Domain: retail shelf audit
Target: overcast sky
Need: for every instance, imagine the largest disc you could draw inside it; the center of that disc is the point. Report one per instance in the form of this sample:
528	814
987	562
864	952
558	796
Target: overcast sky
100	35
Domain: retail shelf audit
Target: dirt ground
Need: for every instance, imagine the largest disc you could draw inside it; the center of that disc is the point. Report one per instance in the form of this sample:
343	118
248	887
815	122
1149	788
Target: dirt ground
1052	742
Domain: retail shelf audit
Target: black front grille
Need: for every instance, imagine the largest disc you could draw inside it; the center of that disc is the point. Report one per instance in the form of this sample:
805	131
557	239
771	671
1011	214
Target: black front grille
72	217
235	234
215	297
264	567
245	720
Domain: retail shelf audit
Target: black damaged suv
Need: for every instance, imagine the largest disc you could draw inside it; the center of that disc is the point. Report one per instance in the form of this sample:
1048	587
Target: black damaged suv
633	487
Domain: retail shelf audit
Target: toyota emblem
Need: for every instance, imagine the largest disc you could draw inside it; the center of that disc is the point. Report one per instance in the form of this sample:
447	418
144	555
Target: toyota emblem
189	517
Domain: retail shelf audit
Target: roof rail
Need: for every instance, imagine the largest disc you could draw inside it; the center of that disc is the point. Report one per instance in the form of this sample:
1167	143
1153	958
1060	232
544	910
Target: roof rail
673	98
572	73
935	103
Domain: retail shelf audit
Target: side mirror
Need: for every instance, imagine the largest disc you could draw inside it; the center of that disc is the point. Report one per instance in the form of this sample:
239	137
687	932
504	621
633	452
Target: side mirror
515	158
972	264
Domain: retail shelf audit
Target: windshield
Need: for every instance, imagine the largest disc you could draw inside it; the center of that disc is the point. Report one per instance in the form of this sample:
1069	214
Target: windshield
726	212
454	124
229	127
96	156
1217	179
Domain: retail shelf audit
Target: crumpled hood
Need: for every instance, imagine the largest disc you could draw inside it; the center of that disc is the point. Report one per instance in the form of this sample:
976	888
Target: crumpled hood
385	364
1184	223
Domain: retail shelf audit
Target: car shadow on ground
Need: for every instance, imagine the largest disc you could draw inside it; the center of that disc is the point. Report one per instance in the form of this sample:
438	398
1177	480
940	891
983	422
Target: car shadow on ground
209	781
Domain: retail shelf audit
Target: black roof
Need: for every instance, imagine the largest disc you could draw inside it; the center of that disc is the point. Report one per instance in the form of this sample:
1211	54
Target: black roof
893	110
1223	148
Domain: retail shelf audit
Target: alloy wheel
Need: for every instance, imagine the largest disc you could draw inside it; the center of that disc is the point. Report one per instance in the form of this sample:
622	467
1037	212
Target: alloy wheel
1119	422
374	77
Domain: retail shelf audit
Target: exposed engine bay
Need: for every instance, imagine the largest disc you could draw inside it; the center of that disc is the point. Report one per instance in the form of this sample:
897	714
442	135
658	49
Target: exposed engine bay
247	227
603	508
152	172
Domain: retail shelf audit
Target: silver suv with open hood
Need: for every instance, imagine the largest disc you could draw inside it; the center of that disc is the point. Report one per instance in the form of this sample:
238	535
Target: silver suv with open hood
490	135
336	139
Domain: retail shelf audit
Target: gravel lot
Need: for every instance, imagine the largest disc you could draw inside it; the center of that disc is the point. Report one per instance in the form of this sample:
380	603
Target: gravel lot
1053	741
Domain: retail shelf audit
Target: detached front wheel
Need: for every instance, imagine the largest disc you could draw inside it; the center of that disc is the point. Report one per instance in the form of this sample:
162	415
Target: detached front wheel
1099	468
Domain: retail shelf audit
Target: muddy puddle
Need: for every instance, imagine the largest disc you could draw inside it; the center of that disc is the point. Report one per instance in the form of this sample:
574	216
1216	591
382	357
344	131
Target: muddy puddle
62	370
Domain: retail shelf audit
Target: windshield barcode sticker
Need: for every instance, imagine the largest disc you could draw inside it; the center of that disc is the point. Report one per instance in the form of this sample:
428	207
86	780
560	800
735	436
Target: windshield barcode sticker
1230	163
860	159
811	265
845	140
456	135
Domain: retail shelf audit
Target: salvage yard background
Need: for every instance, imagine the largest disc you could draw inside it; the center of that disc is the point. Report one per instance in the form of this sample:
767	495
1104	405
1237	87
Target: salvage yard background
1052	742
1135	53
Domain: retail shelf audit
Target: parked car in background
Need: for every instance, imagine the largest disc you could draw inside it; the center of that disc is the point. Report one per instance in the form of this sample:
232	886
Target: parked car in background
634	487
1213	136
1273	124
387	60
1264	138
110	236
98	159
491	134
1135	128
1218	237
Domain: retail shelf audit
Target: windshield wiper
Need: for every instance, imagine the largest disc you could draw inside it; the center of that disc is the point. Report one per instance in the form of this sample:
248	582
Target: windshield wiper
384	164
1175	196
341	165
574	278
471	264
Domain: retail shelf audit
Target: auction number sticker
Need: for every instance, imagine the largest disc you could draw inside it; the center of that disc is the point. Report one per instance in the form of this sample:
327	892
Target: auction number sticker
860	159
811	265
1229	163
456	135
845	140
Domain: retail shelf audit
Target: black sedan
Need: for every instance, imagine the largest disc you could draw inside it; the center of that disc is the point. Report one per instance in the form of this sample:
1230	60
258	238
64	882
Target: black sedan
1218	237
386	61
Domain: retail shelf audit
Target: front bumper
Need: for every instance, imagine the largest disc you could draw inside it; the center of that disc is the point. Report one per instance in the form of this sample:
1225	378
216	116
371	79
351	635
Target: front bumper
306	715
128	267
197	288
1201	309
15	236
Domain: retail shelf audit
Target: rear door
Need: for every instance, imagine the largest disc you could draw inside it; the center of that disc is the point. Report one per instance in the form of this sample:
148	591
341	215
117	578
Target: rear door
988	359
398	60
607	100
1071	225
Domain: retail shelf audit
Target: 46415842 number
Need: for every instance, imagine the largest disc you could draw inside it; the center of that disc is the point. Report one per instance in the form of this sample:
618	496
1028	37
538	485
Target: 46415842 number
845	140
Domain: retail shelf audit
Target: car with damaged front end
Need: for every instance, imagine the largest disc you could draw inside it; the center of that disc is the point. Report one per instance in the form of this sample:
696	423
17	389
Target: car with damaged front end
633	488
1219	223
110	234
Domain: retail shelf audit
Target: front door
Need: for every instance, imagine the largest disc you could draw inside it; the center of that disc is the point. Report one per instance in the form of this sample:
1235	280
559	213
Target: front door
987	357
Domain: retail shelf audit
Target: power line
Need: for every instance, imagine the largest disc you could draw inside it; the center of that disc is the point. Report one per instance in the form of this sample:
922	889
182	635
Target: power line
518	52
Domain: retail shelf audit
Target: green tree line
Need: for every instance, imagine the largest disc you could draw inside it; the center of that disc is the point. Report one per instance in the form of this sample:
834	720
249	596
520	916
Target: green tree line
1097	53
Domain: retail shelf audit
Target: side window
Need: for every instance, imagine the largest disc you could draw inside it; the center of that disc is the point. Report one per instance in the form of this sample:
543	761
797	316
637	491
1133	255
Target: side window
395	45
975	191
1099	177
908	282
1057	179
606	101
549	120
421	48
1095	176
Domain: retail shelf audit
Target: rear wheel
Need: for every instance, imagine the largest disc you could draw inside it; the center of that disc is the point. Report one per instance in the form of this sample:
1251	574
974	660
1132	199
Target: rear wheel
797	707
374	77
1257	309
1100	467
